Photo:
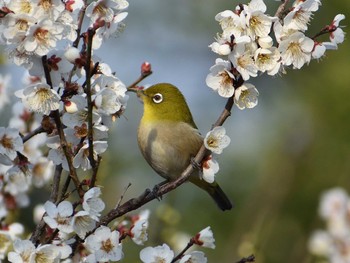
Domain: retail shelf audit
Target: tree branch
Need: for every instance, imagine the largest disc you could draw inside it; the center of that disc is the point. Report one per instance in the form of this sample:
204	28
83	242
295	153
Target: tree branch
280	9
149	195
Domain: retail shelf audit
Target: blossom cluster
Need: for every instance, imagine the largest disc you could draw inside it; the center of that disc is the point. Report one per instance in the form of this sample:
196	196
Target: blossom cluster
163	253
333	243
42	37
215	141
252	43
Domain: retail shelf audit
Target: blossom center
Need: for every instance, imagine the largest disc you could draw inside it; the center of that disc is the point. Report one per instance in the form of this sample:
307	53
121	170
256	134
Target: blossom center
159	260
225	78
62	220
6	142
212	142
41	35
263	58
42	257
107	245
43	94
22	25
100	9
26	7
46	4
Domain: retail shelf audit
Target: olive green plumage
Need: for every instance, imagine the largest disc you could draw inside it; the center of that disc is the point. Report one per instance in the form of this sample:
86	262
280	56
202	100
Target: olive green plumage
168	137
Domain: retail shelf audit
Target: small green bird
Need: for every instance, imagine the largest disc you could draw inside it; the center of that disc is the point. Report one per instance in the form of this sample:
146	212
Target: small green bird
168	137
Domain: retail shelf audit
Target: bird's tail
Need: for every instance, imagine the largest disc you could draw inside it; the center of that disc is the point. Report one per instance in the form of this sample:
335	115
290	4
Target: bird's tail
215	191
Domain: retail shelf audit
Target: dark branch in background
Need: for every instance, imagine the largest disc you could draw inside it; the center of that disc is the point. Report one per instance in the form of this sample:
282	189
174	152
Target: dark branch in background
249	259
80	23
56	184
87	88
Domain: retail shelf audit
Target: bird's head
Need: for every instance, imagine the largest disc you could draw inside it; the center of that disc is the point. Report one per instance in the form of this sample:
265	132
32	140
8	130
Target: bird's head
164	101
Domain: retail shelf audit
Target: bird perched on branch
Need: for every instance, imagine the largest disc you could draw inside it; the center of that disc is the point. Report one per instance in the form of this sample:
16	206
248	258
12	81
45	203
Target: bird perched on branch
168	137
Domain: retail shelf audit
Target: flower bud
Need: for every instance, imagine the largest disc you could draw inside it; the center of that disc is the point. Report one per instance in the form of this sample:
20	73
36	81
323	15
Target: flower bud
70	107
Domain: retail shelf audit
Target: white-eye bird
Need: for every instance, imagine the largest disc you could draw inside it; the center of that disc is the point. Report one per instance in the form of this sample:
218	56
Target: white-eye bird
168	137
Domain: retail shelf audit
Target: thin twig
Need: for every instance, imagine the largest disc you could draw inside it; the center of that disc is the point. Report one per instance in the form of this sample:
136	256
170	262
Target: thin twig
180	255
91	33
56	184
30	135
122	196
280	9
140	78
66	149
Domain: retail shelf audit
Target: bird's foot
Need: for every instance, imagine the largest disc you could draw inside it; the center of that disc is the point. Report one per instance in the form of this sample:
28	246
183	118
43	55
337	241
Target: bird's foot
155	190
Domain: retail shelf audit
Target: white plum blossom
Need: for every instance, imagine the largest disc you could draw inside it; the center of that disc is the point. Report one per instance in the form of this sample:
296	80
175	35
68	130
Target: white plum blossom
92	203
106	102
38	213
83	223
321	47
210	167
8	236
246	96
258	23
49	8
194	257
296	50
23	251
39	98
56	154
10	142
216	140
333	203
16	181
78	117
221	78
42	37
299	17
59	67
242	60
139	228
42	171
81	159
321	243
231	23
104	244
205	238
51	253
333	243
338	35
159	254
268	60
59	216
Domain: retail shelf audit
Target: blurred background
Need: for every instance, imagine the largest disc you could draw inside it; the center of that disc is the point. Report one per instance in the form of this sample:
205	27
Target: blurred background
284	153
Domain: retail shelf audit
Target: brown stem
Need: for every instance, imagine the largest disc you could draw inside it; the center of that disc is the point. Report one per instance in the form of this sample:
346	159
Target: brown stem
180	255
280	9
140	78
30	135
91	33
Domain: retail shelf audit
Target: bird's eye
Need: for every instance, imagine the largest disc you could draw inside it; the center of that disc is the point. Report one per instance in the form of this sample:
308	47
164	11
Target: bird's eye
157	98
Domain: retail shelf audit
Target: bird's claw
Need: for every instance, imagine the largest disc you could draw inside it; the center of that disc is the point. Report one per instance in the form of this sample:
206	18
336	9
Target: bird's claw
155	191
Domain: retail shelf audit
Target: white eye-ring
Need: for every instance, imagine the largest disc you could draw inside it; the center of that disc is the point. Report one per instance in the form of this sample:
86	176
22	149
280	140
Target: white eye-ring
157	98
